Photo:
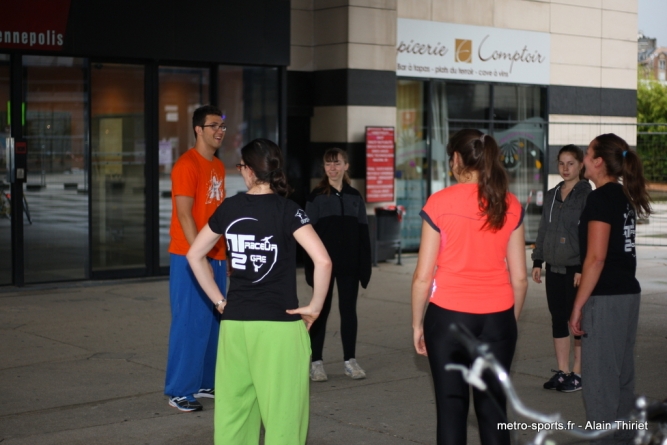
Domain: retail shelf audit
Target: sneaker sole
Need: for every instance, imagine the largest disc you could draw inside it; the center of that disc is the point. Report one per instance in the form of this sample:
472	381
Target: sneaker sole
570	390
185	410
355	378
319	380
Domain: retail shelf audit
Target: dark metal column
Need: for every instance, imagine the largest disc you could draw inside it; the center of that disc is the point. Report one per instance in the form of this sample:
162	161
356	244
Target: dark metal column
152	169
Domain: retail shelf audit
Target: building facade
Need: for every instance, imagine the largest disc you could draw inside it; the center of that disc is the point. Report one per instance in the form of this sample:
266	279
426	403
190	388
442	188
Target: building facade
99	98
535	74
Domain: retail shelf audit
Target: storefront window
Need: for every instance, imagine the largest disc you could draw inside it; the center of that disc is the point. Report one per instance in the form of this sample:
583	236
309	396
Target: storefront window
454	106
248	98
181	92
56	130
512	114
118	193
411	158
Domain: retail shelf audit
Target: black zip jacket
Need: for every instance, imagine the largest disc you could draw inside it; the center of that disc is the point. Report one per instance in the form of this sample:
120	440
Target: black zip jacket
341	223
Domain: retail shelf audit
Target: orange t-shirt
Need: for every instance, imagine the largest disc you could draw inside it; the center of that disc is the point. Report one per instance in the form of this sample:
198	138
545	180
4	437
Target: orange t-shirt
195	176
471	273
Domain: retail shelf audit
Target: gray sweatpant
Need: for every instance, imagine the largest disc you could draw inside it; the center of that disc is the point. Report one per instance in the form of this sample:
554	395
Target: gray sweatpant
607	358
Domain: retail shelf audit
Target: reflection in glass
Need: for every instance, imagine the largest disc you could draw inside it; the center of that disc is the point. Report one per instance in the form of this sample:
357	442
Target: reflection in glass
5	223
56	104
248	98
181	92
521	134
513	114
118	158
411	158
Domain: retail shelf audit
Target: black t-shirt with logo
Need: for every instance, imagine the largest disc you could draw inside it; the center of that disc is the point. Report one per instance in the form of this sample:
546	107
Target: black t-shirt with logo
609	204
261	251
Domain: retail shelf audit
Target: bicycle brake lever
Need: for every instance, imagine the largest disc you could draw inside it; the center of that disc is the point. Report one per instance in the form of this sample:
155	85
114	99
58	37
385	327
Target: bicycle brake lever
473	375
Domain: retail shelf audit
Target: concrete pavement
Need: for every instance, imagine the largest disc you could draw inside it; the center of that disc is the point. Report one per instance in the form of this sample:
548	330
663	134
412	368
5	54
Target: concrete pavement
83	363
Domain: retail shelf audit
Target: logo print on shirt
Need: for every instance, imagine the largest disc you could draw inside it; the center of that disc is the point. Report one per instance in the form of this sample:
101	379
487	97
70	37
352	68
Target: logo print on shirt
302	216
629	230
215	189
244	249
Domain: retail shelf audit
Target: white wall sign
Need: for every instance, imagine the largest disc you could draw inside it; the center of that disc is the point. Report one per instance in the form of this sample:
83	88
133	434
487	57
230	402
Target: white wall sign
454	51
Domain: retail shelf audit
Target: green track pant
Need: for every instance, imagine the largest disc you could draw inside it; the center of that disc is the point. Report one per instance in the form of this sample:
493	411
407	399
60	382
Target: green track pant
262	376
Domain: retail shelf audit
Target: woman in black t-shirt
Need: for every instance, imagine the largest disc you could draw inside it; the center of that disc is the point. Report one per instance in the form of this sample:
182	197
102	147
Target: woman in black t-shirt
264	349
606	309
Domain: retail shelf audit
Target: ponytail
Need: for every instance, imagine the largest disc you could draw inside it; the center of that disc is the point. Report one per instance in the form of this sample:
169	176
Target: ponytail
621	162
266	161
278	182
493	186
634	184
479	152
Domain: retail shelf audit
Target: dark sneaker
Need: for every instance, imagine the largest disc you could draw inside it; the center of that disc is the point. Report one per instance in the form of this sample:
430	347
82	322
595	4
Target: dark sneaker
183	404
205	393
572	383
557	379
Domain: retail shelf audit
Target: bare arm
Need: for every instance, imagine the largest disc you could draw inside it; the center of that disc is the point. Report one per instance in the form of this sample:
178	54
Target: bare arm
196	256
308	239
516	263
184	213
596	253
422	281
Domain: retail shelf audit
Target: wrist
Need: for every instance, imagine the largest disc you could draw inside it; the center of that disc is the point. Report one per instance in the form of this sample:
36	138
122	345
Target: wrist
220	303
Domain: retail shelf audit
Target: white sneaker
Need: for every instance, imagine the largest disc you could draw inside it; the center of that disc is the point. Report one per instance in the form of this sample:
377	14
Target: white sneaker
353	370
317	373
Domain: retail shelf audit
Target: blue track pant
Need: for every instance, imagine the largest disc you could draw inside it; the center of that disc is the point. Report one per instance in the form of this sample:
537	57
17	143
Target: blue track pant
195	324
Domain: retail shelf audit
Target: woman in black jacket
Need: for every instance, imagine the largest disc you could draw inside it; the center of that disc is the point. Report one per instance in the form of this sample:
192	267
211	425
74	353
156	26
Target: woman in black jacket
338	213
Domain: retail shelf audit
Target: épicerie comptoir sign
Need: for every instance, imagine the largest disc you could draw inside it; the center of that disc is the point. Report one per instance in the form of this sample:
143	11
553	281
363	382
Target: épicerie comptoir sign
465	52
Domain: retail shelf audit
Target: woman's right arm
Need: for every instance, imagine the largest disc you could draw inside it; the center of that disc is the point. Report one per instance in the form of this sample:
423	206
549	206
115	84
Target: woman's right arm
538	252
196	256
516	263
308	239
422	280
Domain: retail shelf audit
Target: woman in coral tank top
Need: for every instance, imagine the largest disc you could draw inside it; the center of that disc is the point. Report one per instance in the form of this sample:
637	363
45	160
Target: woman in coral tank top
471	270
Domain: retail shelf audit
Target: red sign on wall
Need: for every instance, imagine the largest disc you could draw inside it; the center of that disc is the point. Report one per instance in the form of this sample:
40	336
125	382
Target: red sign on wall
34	24
379	164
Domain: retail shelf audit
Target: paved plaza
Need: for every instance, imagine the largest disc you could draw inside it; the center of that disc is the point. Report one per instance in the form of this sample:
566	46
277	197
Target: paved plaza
83	363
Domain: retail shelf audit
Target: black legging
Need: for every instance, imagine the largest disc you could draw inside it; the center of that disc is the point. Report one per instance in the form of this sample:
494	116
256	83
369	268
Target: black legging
348	289
452	395
560	299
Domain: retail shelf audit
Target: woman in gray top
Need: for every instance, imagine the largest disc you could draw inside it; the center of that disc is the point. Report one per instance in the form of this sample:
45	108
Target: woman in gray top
558	245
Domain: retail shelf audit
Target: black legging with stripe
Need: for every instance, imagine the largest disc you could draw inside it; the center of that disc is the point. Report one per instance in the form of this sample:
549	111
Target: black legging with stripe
348	290
499	331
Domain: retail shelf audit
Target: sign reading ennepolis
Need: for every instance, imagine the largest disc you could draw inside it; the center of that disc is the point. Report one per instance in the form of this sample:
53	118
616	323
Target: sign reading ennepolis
454	51
34	24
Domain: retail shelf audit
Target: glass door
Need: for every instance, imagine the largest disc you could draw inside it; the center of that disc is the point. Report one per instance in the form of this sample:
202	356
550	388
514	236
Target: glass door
118	154
56	128
181	92
5	215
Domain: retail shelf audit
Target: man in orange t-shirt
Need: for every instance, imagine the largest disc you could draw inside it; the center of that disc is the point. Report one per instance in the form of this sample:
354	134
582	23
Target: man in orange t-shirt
198	179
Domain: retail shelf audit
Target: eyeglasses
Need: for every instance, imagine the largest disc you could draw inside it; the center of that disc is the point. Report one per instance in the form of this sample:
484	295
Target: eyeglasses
240	167
216	127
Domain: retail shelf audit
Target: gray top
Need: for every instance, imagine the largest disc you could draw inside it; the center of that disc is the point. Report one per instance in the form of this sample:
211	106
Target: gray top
558	236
